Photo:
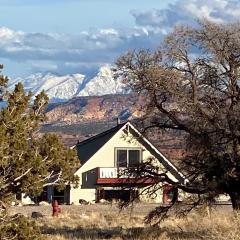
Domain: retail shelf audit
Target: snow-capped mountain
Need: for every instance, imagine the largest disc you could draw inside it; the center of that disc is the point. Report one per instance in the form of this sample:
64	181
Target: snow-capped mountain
102	84
61	88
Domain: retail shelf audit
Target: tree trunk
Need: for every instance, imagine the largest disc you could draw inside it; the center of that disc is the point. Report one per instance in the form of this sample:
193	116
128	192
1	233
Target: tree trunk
235	199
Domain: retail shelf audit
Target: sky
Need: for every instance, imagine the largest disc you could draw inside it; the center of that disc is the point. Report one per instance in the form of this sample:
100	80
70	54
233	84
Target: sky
78	36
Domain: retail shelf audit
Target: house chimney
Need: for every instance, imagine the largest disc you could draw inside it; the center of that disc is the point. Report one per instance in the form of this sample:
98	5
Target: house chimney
118	121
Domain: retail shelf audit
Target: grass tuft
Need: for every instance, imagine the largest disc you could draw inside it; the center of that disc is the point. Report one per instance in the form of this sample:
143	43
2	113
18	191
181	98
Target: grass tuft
106	222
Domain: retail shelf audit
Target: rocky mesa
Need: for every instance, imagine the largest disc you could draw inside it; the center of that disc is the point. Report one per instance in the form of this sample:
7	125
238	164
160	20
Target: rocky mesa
95	108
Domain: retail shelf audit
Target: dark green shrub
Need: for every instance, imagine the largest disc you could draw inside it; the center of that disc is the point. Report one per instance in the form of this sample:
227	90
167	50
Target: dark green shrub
20	228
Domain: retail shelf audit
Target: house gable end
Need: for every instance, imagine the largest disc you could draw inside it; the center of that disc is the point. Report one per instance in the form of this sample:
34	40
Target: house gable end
102	143
87	148
155	152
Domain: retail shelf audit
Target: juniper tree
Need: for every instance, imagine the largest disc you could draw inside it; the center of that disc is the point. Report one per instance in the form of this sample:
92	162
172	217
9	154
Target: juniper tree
191	85
29	162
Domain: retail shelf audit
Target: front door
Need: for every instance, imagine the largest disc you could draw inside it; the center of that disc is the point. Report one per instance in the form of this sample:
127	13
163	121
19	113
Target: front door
169	193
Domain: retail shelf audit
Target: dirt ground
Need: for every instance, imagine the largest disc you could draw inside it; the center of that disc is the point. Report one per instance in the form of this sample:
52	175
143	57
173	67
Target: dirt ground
106	221
139	209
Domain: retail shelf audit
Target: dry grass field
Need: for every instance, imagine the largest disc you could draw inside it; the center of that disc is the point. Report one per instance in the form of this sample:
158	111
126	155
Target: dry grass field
101	221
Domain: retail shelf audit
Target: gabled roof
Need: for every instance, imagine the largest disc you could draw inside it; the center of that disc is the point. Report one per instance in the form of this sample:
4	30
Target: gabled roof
155	152
87	148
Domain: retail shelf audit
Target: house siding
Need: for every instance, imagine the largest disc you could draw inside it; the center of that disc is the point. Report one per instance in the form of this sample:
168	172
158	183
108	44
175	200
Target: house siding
105	157
78	193
156	198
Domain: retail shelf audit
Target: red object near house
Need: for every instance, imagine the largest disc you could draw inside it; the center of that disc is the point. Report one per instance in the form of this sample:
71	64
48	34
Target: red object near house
55	208
166	194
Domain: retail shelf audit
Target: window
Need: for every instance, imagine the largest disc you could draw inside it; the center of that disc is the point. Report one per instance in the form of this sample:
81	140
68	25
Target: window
133	158
128	157
122	158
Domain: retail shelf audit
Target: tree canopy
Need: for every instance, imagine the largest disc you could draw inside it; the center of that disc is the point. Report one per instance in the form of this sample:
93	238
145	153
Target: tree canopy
28	161
191	85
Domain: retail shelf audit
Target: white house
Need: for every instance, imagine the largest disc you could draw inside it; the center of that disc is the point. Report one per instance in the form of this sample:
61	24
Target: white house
103	156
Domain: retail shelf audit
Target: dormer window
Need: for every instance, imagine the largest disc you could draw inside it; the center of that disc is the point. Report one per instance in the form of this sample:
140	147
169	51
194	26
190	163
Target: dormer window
128	157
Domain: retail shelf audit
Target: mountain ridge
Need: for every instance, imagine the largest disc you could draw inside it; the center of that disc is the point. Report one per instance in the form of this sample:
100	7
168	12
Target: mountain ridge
63	88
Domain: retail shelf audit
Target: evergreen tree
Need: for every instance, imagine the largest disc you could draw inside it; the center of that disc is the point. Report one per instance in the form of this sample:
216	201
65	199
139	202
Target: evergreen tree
29	162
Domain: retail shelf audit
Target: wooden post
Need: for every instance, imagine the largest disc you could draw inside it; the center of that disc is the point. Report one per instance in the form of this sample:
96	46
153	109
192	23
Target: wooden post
100	194
166	189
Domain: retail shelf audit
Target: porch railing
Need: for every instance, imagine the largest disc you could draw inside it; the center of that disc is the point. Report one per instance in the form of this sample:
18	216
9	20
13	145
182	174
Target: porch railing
112	173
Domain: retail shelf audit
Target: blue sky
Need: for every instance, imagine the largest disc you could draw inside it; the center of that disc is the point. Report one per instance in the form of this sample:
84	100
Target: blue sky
70	36
71	16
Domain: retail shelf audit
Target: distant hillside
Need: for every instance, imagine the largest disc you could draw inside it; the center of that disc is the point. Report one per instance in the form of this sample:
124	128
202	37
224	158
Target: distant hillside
78	132
95	108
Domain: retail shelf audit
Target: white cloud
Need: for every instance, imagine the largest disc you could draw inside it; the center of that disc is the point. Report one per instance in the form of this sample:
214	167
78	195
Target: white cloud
8	36
110	31
186	11
89	49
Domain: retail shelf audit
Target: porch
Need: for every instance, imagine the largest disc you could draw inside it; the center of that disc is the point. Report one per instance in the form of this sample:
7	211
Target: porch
118	176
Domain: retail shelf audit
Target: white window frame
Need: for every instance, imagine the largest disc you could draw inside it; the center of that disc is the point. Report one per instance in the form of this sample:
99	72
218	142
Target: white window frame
127	149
